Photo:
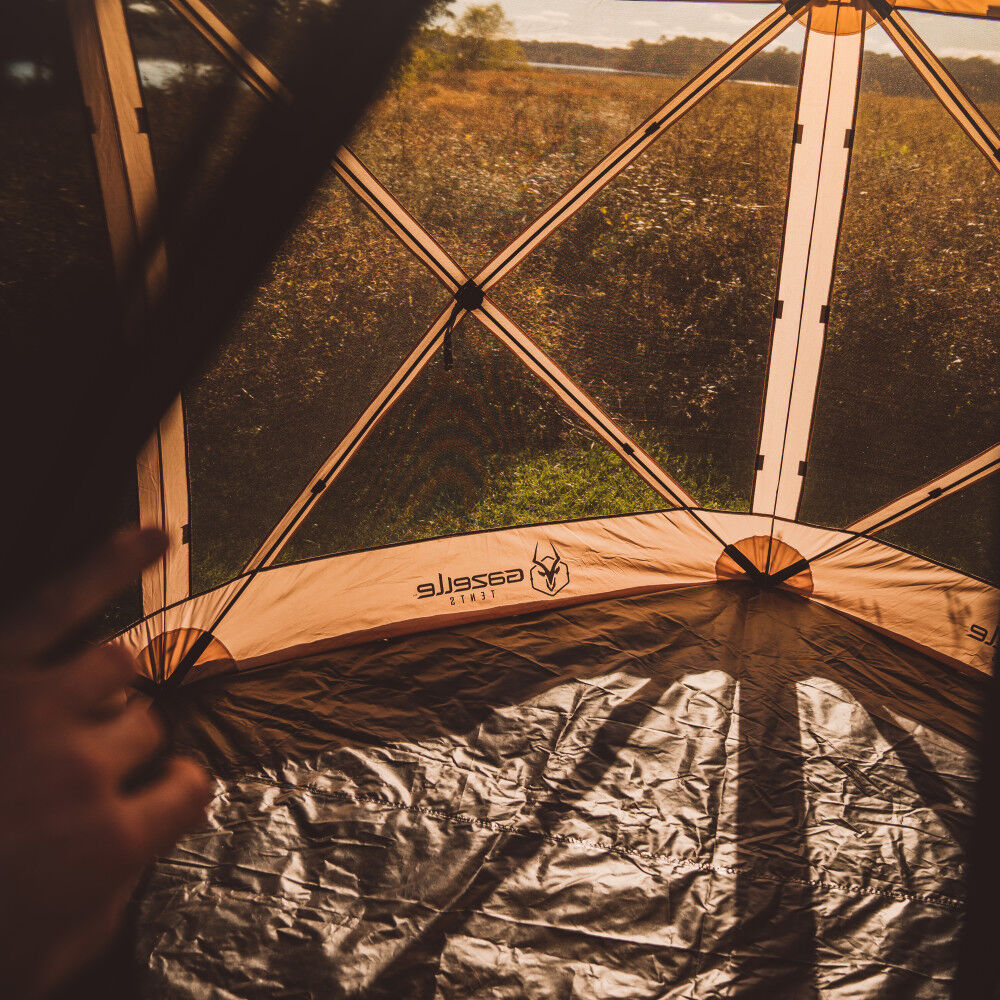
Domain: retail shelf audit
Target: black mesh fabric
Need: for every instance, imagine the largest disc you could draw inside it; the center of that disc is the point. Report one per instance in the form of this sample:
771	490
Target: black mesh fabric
476	154
194	101
960	530
480	445
478	142
275	30
340	310
658	295
909	386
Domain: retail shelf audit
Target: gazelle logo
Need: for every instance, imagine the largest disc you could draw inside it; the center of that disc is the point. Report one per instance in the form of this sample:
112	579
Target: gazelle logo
549	574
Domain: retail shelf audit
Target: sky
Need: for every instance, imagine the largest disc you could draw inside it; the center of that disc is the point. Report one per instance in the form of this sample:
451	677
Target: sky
616	22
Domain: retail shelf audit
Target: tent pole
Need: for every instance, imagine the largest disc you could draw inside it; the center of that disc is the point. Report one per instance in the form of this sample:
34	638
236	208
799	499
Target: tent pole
947	484
125	169
821	158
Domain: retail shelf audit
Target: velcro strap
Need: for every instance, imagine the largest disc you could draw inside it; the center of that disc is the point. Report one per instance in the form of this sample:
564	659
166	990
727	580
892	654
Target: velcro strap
789	571
744	563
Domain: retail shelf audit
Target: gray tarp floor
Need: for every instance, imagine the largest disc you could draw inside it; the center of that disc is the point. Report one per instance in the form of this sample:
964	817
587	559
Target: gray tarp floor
715	792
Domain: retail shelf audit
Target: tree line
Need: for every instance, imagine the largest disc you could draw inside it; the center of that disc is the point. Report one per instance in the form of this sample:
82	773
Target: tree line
683	57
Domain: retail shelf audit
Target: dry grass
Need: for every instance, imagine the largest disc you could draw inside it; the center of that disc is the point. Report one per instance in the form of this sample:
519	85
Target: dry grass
657	297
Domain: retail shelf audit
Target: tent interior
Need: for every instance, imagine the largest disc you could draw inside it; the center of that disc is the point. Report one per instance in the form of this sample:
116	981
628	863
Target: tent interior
585	568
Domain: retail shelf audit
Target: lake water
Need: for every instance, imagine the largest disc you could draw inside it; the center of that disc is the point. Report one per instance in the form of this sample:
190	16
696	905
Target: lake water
571	68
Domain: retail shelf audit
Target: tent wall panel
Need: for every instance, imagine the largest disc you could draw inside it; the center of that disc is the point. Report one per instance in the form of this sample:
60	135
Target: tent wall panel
987	463
125	166
320	604
969	118
363	183
575	399
673	110
961	529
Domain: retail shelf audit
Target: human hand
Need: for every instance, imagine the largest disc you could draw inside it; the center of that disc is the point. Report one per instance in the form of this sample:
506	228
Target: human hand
74	833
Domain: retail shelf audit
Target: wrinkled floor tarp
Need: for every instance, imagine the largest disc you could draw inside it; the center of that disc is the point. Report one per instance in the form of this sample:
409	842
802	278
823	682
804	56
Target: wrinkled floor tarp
717	792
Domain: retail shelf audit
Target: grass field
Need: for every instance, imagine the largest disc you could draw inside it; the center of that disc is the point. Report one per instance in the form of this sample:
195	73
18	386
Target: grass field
657	298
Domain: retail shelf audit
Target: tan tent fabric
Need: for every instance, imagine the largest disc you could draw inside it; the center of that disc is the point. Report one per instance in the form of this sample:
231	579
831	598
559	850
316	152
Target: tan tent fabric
125	170
316	605
837	19
930	607
407	588
820	160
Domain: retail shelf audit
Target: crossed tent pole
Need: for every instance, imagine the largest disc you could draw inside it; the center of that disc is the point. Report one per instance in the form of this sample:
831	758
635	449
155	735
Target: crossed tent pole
470	294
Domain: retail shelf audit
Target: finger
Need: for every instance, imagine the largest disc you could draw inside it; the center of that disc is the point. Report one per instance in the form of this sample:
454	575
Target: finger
163	811
35	627
127	741
87	682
